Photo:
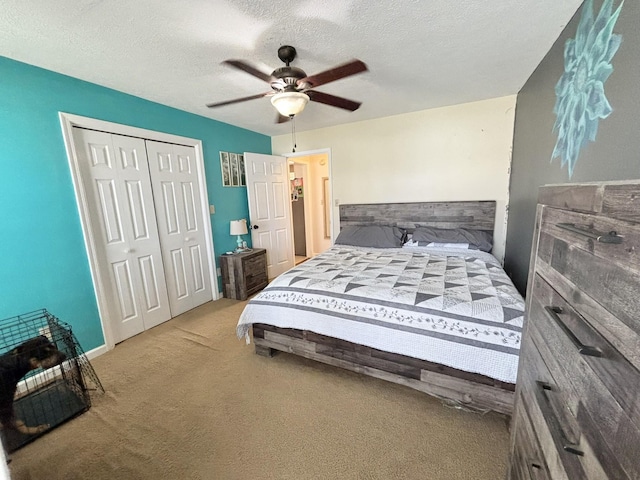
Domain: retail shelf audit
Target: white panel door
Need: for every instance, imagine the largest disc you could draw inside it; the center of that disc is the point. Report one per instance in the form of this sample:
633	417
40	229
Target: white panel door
270	209
116	181
174	178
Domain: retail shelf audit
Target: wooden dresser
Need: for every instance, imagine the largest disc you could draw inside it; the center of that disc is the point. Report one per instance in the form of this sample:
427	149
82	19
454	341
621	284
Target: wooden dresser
577	411
243	274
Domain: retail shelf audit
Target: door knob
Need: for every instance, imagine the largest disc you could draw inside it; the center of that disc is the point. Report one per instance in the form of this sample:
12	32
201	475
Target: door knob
255	227
188	239
129	250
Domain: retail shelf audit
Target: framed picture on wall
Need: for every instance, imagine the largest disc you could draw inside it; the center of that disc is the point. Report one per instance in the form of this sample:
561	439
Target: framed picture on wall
226	169
235	172
243	175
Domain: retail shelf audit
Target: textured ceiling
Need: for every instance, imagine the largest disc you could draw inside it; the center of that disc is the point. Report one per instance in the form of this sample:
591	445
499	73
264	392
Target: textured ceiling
421	54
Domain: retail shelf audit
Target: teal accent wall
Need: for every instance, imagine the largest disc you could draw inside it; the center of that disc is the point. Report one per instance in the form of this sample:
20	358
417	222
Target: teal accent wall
43	259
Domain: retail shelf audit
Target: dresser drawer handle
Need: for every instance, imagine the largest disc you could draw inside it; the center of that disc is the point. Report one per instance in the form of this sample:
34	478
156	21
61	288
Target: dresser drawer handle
571	449
534	469
583	349
552	421
611	237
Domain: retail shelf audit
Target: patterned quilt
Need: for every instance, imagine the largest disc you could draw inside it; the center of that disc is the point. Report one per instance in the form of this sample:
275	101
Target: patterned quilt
450	306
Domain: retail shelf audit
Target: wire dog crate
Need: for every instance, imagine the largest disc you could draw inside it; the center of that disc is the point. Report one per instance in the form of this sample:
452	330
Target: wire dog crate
45	377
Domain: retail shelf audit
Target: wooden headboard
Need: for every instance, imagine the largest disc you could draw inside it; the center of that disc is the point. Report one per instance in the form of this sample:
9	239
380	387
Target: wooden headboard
478	215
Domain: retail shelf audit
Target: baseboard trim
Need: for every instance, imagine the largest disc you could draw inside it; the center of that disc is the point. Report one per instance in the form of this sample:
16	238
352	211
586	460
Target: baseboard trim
96	352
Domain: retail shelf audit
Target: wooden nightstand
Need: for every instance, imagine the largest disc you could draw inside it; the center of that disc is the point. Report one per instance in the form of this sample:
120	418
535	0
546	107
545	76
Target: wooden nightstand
244	274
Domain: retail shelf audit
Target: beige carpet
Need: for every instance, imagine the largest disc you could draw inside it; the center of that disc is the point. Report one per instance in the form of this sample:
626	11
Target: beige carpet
188	400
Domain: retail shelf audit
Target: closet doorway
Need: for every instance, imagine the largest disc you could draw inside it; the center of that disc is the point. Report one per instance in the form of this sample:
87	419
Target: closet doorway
143	206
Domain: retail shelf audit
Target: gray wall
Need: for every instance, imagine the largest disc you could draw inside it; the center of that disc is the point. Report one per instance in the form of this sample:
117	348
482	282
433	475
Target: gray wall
615	154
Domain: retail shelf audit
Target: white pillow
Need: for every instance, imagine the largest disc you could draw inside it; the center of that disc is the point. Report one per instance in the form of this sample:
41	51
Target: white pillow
462	246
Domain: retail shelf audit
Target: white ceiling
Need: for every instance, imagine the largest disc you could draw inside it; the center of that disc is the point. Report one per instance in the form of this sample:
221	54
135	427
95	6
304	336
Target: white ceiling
421	54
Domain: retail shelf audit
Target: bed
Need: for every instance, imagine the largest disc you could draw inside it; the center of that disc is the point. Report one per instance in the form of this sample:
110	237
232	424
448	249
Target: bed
435	317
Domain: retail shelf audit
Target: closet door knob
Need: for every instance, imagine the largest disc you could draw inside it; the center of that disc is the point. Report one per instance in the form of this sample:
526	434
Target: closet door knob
188	239
255	227
129	250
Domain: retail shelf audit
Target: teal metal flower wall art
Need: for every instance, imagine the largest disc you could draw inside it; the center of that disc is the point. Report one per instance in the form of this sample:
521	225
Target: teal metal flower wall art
580	97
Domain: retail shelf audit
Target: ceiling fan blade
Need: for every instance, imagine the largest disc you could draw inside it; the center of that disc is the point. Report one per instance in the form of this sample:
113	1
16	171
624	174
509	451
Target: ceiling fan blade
282	119
332	100
336	73
250	69
238	100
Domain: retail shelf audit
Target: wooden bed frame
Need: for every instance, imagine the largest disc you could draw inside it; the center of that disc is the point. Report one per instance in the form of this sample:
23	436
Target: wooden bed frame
456	387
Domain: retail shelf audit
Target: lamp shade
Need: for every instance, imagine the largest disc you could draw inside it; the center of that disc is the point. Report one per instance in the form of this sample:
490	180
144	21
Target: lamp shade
238	227
289	103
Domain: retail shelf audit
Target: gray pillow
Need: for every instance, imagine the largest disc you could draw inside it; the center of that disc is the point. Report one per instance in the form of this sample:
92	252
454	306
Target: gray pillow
371	236
480	239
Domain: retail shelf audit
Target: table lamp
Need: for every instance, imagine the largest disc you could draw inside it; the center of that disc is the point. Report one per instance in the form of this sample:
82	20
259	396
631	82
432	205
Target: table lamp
239	228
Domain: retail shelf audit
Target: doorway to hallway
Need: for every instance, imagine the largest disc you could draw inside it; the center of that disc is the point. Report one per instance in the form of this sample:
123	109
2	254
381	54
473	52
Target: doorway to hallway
309	178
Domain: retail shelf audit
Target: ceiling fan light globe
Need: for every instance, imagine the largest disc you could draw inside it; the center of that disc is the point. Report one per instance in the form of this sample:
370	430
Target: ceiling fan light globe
289	103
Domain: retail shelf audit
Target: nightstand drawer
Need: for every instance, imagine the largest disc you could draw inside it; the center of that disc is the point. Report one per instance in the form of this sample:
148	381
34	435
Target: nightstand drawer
256	282
255	264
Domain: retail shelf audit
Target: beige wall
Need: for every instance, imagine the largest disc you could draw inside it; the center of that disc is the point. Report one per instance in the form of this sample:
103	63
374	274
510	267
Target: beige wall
461	152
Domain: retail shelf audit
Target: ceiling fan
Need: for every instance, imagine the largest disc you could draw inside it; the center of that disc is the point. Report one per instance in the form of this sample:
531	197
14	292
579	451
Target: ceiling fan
292	88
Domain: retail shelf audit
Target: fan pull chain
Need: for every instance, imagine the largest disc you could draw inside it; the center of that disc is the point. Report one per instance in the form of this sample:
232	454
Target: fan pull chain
293	133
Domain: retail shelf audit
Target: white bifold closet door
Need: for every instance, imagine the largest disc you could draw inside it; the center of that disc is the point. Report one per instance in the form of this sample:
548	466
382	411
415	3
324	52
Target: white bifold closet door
174	179
151	254
115	176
